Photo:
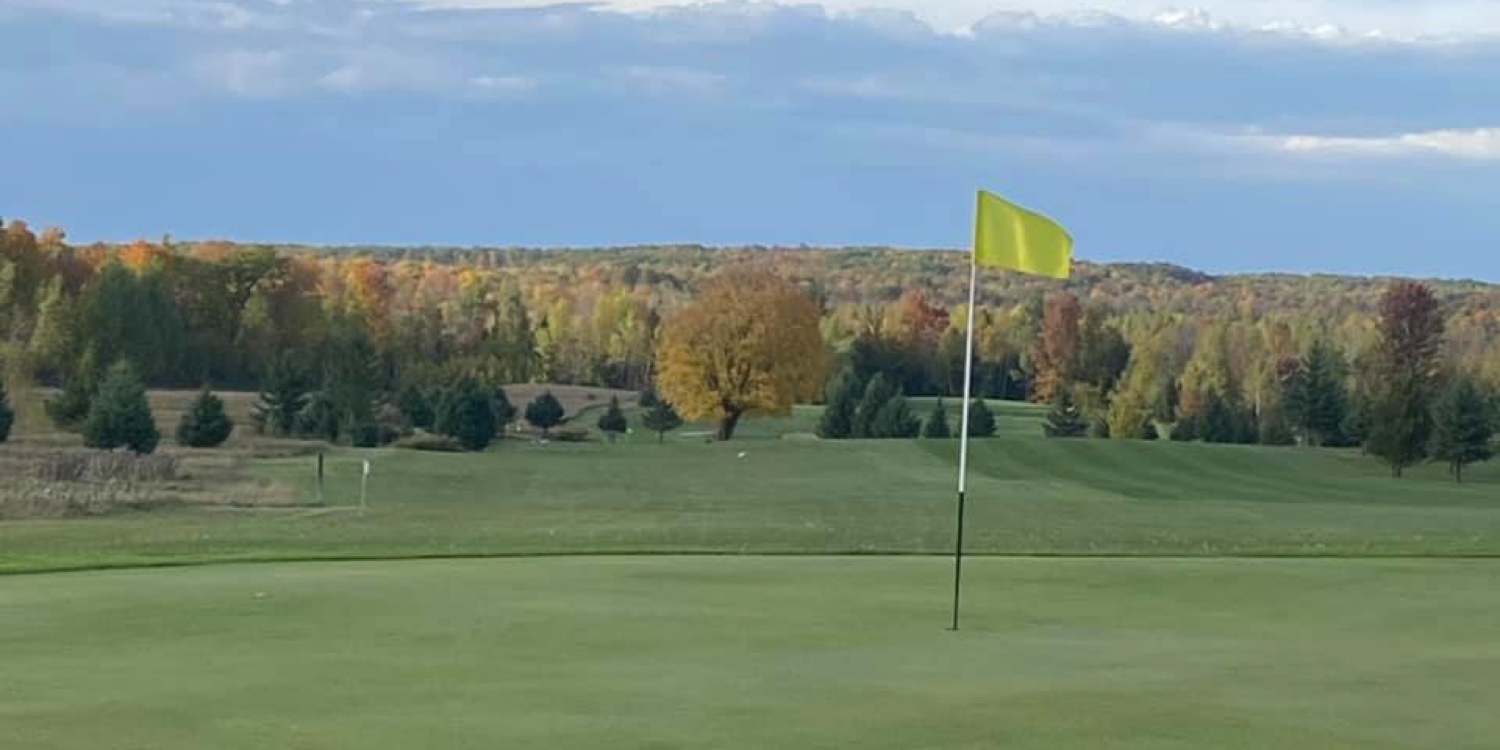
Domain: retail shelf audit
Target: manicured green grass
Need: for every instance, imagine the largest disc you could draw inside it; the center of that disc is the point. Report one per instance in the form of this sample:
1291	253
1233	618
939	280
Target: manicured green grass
755	653
792	494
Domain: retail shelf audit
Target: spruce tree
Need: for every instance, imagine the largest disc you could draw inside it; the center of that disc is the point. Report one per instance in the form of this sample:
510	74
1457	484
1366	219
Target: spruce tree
895	420
283	398
1317	403
120	416
661	418
843	394
981	420
1463	427
545	412
415	407
7	414
467	414
936	427
880	390
612	423
205	425
1065	420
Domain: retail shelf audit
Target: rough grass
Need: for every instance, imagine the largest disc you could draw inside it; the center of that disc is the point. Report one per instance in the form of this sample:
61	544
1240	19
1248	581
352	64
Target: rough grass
755	653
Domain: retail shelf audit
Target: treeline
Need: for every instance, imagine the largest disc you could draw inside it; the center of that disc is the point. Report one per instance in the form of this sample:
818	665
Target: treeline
1130	351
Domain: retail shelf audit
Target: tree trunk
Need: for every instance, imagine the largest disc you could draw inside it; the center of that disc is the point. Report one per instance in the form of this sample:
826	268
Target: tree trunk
1396	470
727	423
1458	472
661	437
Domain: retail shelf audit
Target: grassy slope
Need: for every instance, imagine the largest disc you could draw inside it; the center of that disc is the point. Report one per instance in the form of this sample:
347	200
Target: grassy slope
1030	495
755	653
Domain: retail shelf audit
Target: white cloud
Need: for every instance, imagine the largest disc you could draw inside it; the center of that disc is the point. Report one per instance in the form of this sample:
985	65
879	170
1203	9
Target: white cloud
1482	144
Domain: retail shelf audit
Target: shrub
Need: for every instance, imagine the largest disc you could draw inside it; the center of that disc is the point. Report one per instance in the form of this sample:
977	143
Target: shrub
415	407
661	418
7	415
895	420
423	441
572	436
205	425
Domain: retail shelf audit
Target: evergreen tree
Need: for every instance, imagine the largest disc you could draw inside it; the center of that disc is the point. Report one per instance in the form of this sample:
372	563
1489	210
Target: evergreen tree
880	390
1066	419
661	418
283	397
415	407
7	414
320	418
936	427
843	394
1317	403
981	420
612	423
545	412
895	420
70	408
1463	427
205	425
467	414
120	416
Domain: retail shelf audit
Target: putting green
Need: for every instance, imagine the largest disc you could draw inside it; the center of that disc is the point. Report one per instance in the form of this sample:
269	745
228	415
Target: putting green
691	652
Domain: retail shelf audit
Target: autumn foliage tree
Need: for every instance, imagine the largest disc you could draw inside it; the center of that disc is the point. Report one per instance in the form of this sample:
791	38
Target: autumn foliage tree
749	344
1057	353
1411	335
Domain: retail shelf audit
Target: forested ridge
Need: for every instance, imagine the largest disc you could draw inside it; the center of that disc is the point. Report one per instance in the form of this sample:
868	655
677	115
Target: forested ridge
1128	346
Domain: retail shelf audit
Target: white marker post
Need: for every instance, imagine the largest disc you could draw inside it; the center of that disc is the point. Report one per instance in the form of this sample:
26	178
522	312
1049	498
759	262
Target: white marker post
364	486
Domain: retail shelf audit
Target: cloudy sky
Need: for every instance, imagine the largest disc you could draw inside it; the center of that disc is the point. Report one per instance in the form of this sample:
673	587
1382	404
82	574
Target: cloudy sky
1323	135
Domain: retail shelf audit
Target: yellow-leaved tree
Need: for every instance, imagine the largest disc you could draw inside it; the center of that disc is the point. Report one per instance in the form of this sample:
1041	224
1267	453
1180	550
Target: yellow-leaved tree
749	344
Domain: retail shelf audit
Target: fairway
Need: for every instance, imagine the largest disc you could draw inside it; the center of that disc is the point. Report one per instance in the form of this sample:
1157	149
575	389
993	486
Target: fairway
685	652
775	491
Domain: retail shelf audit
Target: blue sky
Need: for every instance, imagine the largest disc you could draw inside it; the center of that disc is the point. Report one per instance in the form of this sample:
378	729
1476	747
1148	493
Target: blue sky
1330	135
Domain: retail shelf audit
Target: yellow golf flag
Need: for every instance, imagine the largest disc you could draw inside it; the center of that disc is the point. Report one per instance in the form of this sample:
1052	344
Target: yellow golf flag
1008	236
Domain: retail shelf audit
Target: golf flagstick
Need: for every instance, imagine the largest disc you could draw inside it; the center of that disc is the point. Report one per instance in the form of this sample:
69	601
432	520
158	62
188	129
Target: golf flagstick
963	444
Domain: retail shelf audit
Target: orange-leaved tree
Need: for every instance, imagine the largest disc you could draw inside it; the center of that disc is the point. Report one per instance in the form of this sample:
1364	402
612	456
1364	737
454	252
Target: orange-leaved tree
748	345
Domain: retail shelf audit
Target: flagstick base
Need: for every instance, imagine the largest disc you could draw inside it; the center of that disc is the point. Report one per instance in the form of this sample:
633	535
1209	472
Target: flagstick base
958	560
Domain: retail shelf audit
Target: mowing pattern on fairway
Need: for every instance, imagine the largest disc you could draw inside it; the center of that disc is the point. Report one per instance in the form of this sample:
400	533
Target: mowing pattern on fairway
755	653
775	492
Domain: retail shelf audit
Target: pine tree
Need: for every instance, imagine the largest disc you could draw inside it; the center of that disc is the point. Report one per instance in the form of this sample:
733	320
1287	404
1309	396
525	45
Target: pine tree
1066	419
877	394
545	412
205	425
7	414
612	423
467	414
1463	427
837	421
283	398
661	418
120	416
936	427
415	407
895	420
981	420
